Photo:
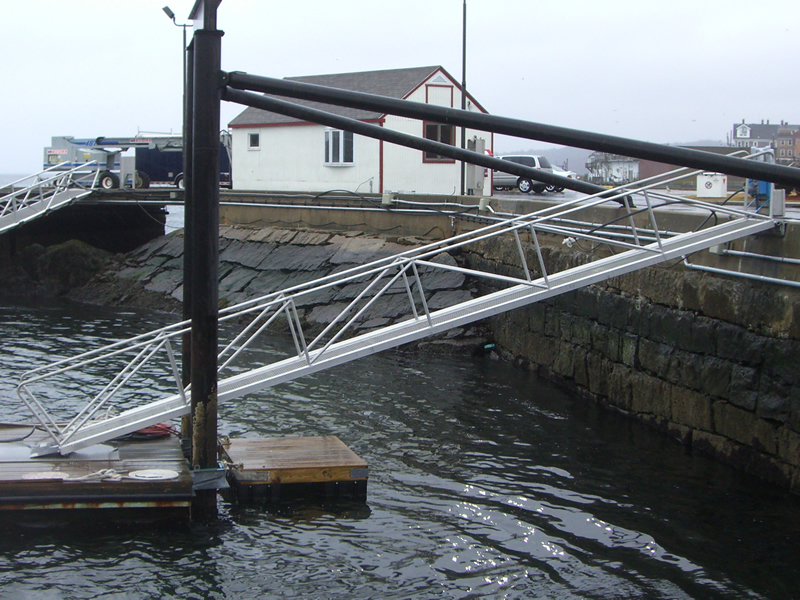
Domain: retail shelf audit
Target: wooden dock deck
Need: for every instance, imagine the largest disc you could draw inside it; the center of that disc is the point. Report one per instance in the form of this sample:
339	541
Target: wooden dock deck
269	469
148	476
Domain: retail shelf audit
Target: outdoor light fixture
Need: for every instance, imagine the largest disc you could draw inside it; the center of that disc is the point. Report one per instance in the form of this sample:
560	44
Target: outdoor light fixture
168	11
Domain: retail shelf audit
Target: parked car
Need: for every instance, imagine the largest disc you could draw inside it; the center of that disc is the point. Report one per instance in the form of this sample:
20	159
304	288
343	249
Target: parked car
507	181
562	173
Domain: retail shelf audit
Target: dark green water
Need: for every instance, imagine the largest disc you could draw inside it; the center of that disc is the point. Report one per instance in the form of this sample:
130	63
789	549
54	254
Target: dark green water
484	483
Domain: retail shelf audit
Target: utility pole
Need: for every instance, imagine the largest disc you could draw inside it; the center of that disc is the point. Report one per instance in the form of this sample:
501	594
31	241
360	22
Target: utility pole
463	87
186	342
186	107
203	200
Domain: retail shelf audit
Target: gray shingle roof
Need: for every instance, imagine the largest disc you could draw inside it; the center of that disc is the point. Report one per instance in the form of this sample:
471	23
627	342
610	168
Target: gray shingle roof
764	131
395	83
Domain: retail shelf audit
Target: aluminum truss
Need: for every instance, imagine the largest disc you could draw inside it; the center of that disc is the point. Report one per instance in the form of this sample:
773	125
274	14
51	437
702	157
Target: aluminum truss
640	246
51	189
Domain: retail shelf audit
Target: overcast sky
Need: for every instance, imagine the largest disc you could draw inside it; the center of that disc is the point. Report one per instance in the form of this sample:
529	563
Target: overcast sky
665	71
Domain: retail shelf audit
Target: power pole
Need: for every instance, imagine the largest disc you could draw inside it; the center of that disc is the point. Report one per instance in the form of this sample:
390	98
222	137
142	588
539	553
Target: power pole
186	341
463	88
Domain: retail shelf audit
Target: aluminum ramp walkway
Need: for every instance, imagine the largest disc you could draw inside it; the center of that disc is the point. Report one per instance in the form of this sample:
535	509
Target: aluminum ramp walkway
332	348
51	189
480	308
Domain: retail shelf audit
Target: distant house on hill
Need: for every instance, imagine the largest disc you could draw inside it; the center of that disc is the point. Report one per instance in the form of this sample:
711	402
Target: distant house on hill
781	137
272	152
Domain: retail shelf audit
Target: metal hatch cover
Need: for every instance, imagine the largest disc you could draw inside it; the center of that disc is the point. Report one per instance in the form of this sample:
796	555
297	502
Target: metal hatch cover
153	474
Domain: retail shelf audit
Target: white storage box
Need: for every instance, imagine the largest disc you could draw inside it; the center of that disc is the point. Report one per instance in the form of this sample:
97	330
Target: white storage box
712	185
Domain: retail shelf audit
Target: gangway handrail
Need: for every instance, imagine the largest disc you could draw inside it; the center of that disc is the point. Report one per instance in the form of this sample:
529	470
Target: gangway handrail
377	277
27	177
421	253
55	190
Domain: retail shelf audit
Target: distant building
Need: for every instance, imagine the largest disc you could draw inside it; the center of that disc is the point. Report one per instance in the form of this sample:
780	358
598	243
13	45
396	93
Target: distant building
784	144
272	152
796	145
651	168
765	135
607	168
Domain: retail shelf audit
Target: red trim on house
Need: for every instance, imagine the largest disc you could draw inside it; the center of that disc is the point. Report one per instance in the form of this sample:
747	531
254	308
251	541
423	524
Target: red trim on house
491	171
428	86
381	122
444	72
442	160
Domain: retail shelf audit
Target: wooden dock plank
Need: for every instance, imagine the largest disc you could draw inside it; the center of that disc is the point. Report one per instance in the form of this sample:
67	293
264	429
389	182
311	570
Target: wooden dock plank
281	461
100	477
270	454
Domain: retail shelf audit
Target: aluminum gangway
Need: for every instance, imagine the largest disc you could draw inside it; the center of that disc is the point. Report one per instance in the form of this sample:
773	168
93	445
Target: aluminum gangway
44	192
639	246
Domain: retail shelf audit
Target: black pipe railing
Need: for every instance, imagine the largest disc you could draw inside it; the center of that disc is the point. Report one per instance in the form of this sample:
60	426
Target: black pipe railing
306	113
685	157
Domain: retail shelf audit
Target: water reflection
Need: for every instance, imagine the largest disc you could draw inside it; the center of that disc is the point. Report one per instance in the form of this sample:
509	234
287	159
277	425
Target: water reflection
484	482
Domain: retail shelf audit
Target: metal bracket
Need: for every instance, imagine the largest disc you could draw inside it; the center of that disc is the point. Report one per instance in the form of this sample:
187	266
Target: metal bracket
210	479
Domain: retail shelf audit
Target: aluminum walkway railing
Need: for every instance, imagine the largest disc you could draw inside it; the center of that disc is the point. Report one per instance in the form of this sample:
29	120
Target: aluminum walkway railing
642	246
51	189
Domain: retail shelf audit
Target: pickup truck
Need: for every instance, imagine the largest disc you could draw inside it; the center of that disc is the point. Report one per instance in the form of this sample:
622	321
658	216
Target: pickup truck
506	181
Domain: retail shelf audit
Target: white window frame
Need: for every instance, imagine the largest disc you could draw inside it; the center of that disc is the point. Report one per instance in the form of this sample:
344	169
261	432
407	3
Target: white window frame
254	135
335	148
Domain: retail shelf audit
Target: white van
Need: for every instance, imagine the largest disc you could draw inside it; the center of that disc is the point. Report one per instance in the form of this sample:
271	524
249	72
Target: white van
506	181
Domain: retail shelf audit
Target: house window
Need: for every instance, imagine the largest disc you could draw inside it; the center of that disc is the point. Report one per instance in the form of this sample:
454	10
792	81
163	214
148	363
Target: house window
338	147
439	133
253	141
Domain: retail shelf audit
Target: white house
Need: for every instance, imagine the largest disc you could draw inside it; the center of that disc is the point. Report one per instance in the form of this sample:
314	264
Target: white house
272	152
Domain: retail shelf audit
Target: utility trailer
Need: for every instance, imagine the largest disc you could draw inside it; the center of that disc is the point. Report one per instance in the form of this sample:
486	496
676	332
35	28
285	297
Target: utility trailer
156	159
107	154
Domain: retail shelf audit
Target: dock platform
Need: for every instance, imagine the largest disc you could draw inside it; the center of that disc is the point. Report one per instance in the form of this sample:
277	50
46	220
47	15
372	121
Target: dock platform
271	469
147	477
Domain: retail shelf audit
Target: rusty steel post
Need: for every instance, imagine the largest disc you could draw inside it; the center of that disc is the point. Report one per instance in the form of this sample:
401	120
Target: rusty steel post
204	247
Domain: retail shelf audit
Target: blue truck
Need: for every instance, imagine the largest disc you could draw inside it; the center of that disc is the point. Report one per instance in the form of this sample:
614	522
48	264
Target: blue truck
156	159
162	163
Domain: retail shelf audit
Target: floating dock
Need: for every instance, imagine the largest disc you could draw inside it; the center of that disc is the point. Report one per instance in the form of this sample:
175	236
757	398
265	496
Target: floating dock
147	479
271	469
135	477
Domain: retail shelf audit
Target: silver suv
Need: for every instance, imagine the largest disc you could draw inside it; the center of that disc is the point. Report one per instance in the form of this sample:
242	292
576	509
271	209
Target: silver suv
506	181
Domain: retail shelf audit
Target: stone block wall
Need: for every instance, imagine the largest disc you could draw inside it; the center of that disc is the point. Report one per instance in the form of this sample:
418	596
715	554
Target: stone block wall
712	361
257	262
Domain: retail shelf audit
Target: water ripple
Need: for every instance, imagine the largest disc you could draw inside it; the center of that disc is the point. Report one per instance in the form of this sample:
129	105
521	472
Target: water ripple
484	483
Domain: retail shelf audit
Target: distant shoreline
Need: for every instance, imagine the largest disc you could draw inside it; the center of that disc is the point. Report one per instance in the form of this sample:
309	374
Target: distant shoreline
6	178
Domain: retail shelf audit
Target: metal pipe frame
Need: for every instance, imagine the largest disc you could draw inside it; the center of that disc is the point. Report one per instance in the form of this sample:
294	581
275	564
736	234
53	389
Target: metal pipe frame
740	275
781	259
381	133
685	157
